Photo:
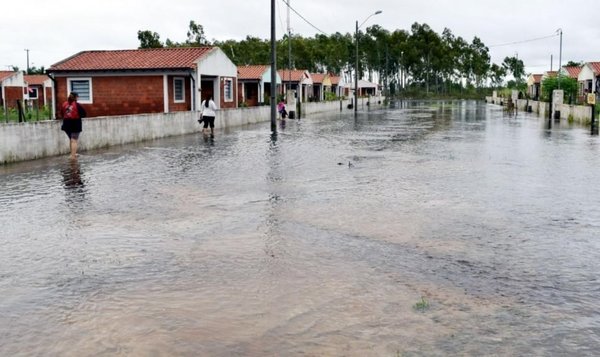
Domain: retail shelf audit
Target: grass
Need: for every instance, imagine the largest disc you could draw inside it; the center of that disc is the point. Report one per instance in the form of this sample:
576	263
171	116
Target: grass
421	305
33	114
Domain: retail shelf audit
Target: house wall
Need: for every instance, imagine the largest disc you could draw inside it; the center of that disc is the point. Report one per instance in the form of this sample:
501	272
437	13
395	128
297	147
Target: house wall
11	95
121	95
178	107
233	103
33	140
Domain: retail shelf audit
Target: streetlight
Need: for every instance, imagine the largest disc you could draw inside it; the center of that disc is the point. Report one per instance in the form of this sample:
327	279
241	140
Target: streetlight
559	31
356	69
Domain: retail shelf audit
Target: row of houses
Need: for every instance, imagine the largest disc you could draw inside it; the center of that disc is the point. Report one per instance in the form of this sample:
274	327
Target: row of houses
123	82
587	76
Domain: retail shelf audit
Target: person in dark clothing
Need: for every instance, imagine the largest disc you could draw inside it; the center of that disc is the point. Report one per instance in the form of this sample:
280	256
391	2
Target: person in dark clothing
71	113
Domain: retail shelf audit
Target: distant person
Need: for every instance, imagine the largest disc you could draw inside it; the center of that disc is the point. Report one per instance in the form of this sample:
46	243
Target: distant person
71	113
281	109
209	112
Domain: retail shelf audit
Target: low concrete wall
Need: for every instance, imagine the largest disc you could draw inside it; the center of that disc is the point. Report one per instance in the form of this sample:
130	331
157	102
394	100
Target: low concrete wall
579	113
28	141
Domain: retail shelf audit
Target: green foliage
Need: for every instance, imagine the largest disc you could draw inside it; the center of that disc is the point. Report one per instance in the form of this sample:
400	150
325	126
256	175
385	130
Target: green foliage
567	84
30	114
149	39
421	305
428	62
516	67
330	96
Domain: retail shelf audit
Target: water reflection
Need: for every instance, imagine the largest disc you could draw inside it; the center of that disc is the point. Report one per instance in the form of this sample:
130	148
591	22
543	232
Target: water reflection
72	177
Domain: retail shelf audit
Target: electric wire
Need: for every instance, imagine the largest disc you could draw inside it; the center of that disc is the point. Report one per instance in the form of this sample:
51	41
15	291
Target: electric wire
523	41
303	18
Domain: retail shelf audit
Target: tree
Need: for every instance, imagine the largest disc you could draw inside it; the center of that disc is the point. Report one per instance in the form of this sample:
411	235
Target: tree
574	64
567	84
514	66
149	39
497	74
195	35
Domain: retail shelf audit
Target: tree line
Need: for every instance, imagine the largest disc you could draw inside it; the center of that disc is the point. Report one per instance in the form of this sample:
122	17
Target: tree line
420	59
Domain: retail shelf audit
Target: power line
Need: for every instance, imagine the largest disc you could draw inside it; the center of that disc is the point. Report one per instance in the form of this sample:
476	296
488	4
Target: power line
524	41
302	17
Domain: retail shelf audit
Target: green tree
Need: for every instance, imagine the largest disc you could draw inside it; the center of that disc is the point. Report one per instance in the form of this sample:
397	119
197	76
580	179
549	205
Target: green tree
149	39
515	66
195	35
567	84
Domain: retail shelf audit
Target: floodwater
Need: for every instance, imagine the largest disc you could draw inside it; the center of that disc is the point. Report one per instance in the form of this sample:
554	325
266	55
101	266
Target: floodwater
426	229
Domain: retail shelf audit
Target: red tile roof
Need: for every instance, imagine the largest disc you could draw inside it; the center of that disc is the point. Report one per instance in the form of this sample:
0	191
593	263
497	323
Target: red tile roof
335	80
318	77
252	72
296	74
537	78
573	71
6	74
595	67
155	58
36	79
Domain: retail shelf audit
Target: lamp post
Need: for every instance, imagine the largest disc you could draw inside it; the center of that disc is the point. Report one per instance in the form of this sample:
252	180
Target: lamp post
559	57
356	69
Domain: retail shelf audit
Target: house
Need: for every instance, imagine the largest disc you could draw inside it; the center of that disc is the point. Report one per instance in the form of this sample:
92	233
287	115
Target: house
321	84
254	84
534	86
588	78
366	88
571	71
298	80
158	80
12	88
335	83
39	90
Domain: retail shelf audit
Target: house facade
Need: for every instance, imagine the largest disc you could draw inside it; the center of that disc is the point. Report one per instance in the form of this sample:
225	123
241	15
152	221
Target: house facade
534	86
39	90
124	82
298	80
321	84
254	84
589	78
12	88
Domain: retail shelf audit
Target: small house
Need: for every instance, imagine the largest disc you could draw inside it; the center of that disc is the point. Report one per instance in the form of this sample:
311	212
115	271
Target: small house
534	86
589	78
12	89
298	80
254	84
39	90
321	84
158	80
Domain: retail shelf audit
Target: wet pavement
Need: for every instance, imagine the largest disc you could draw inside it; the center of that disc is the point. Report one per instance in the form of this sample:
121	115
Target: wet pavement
430	228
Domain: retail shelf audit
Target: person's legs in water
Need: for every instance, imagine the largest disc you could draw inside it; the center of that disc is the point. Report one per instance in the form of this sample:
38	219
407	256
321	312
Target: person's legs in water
73	144
206	121
212	127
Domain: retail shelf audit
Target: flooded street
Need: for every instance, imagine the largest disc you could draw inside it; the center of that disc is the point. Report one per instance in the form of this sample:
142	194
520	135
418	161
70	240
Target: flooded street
427	229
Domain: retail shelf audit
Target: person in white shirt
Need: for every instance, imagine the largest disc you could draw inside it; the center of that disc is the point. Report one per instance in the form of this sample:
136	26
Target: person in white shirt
208	110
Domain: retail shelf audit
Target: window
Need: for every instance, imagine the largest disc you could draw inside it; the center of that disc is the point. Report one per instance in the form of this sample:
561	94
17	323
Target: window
33	93
228	89
83	87
179	90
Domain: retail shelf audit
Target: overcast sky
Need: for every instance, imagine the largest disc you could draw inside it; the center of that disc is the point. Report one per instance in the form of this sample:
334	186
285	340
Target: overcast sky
53	30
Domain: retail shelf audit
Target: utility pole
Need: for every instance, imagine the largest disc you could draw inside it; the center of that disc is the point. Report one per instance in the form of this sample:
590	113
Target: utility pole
289	84
559	57
273	71
27	50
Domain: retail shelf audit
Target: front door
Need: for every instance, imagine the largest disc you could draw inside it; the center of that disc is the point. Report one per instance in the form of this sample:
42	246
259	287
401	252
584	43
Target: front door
208	90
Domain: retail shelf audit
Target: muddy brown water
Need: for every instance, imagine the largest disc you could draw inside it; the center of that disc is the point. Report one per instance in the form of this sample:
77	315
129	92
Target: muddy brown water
323	241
